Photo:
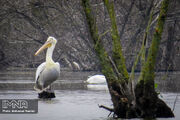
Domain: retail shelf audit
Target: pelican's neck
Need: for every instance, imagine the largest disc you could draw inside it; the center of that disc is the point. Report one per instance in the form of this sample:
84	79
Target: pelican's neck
49	54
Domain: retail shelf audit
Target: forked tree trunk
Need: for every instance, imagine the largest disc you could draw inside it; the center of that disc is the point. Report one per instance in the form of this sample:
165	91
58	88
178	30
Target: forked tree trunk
145	102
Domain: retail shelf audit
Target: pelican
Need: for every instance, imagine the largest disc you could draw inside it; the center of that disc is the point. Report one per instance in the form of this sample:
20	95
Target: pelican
48	71
96	79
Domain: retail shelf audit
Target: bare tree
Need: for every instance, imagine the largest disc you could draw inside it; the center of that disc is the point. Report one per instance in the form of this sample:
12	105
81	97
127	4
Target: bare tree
128	100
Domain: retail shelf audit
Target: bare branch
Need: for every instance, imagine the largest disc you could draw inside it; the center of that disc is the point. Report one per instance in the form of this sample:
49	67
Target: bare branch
38	41
106	108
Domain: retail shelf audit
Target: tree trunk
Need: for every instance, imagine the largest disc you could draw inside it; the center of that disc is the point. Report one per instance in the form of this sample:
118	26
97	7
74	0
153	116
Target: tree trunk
147	100
117	55
109	68
126	105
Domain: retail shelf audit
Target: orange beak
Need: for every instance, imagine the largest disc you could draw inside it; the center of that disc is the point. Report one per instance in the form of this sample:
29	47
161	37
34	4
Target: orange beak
46	45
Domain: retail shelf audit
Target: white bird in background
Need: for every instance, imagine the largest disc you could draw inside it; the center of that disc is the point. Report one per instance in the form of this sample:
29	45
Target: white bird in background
48	71
76	65
97	82
96	79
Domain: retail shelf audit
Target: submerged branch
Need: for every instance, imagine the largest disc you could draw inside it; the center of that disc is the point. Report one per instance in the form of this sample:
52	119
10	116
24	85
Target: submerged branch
106	108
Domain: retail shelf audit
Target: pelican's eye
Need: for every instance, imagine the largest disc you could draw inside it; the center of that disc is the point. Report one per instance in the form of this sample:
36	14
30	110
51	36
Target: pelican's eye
49	45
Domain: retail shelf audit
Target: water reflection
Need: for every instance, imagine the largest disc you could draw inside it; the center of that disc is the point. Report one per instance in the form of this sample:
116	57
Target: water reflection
97	87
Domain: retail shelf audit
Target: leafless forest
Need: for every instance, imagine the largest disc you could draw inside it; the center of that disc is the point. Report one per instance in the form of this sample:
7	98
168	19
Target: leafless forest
26	24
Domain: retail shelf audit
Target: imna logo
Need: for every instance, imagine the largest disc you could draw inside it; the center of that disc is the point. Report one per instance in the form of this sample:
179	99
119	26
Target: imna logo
20	104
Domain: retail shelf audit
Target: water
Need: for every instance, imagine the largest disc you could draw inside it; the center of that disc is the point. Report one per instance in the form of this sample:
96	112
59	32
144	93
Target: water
74	105
68	105
77	101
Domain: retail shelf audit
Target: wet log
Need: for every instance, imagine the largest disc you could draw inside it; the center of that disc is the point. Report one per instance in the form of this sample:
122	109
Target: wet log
45	95
48	93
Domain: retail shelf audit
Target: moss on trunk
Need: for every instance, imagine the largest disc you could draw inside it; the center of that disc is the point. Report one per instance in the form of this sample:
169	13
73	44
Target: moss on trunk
113	80
107	69
147	100
146	103
147	73
117	55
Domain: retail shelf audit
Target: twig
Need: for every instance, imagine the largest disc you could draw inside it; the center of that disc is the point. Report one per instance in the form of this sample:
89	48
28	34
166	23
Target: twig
38	41
109	114
154	20
106	108
158	4
101	35
175	102
115	67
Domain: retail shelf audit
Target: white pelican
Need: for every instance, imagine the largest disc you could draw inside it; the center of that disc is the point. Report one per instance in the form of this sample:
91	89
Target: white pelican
76	65
97	82
96	79
48	71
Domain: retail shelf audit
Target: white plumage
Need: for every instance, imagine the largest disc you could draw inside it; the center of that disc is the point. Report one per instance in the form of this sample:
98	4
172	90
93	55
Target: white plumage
96	79
48	71
39	70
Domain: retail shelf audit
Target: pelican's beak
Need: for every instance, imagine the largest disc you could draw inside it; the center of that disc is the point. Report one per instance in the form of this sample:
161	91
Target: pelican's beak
46	45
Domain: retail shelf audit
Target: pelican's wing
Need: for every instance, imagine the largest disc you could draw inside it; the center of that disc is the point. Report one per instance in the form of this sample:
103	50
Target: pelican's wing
39	70
58	67
45	76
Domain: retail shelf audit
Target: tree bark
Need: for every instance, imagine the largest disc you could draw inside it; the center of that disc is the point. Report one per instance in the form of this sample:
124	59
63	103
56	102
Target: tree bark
116	89
106	66
117	55
145	102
